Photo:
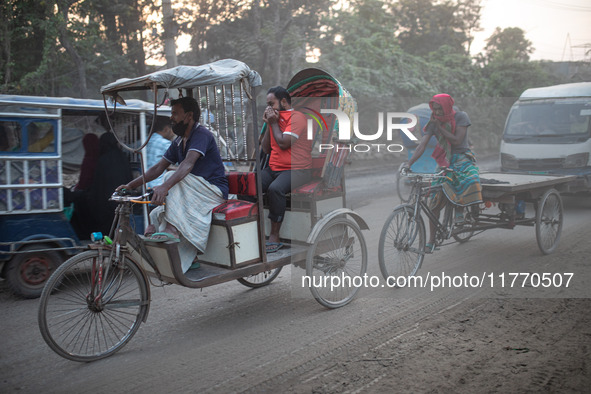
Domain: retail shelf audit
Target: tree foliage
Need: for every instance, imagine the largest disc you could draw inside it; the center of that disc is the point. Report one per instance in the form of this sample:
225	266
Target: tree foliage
269	35
423	26
70	47
390	54
509	43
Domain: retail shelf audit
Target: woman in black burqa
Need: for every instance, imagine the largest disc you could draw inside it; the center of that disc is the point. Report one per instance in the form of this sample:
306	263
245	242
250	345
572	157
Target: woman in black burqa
112	169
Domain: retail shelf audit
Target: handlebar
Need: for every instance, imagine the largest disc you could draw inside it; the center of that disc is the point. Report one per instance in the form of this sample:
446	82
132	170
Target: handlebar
124	195
407	172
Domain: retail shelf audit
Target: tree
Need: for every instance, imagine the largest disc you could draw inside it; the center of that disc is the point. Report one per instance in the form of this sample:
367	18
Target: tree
70	47
425	25
170	28
22	39
509	43
510	77
62	20
271	36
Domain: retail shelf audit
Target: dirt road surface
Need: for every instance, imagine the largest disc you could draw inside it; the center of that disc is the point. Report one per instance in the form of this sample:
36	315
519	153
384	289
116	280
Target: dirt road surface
228	338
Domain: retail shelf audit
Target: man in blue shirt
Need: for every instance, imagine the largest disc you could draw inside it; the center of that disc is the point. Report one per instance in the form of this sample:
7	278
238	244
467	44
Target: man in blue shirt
191	191
157	147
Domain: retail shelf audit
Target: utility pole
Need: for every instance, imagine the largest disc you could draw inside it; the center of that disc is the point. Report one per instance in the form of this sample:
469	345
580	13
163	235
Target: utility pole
170	33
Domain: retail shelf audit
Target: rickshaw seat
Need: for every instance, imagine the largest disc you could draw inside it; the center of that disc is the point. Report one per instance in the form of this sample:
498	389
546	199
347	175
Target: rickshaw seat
316	187
242	183
235	209
239	183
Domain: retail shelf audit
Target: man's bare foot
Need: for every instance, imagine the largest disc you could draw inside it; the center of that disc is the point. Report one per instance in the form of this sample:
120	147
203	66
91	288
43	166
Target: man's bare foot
151	229
171	230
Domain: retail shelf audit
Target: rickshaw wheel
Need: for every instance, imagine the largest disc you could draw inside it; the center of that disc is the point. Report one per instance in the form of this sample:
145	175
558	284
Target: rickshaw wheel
81	323
261	279
403	186
549	217
402	244
336	261
27	273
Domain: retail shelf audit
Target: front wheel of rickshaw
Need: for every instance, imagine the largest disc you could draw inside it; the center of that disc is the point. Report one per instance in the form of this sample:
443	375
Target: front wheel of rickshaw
549	217
336	262
402	244
83	321
261	279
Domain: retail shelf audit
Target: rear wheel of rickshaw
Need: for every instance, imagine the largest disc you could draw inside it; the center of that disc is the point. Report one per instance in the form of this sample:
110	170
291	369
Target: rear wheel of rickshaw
549	217
261	279
82	321
402	244
27	273
336	262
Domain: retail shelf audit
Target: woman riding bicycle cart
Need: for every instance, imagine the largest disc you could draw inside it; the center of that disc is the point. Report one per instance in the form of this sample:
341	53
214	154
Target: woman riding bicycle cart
95	302
465	197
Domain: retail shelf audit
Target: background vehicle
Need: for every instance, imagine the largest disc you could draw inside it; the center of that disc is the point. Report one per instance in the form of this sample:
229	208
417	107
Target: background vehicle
40	155
548	131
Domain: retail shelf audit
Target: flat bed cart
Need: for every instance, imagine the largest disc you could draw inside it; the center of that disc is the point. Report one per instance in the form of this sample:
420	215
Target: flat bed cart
511	192
95	302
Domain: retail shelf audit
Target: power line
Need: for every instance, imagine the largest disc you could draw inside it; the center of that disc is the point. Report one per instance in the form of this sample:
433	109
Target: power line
562	6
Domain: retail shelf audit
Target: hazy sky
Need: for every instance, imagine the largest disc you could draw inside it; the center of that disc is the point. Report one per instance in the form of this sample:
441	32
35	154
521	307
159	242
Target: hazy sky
547	24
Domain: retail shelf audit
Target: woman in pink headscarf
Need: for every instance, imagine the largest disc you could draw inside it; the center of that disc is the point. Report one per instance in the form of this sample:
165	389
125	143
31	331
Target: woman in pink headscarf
462	187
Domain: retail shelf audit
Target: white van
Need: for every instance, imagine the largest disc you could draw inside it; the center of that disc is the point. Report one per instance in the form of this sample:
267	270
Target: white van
548	131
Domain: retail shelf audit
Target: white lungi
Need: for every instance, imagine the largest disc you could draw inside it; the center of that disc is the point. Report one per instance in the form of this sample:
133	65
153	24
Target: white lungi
188	208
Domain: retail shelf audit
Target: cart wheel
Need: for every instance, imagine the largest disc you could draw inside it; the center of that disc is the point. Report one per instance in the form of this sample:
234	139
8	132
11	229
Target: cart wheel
402	243
260	279
549	219
403	186
335	261
27	273
81	326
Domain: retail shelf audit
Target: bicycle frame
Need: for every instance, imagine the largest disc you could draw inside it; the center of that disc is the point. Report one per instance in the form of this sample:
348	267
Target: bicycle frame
418	199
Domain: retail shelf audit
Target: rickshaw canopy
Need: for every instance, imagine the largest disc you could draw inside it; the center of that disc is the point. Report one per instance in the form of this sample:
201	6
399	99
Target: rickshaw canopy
221	72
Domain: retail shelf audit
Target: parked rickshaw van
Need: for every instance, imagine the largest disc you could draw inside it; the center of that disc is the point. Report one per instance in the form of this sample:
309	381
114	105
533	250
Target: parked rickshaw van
40	155
548	131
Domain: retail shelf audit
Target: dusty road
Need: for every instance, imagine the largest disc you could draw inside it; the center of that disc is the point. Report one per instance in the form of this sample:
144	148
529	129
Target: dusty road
228	338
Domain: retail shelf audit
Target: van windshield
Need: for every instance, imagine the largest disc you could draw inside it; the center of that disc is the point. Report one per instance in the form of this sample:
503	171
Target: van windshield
550	118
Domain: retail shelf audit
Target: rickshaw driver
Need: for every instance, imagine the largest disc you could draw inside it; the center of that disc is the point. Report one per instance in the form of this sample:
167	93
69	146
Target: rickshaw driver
192	191
290	160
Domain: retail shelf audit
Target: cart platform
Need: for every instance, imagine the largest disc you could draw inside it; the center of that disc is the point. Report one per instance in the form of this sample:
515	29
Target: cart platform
498	184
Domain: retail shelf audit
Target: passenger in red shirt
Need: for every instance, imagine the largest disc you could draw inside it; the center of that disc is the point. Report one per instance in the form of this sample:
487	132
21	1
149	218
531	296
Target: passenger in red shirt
286	140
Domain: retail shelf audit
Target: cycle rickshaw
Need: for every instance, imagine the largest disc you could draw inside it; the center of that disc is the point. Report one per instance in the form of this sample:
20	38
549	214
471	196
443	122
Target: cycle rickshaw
95	302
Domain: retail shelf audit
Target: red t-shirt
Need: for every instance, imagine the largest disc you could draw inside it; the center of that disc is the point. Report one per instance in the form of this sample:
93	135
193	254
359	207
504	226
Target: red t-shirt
299	155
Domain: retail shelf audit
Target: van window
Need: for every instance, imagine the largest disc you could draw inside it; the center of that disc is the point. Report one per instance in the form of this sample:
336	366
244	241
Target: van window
41	137
10	136
549	119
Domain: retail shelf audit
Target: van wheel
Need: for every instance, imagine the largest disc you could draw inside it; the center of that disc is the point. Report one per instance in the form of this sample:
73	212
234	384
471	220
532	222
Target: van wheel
27	273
